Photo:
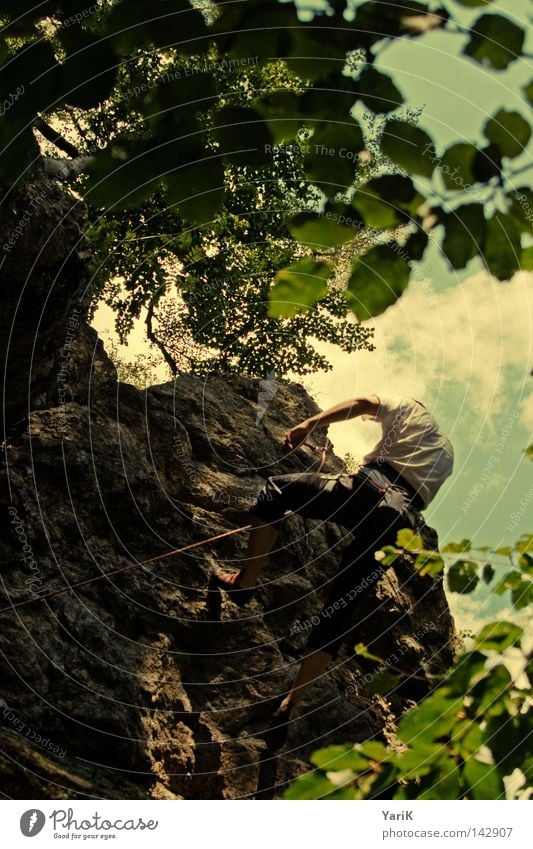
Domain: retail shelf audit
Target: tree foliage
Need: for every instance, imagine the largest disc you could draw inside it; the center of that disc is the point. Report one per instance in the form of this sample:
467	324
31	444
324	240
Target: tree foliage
183	109
473	730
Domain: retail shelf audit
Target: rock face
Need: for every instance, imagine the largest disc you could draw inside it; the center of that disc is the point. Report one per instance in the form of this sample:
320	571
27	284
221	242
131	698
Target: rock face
143	684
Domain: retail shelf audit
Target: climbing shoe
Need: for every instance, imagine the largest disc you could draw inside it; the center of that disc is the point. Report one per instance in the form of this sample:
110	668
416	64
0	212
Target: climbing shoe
276	734
227	581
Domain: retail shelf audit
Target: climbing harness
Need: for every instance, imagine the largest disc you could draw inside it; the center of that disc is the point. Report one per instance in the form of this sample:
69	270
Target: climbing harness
320	451
122	569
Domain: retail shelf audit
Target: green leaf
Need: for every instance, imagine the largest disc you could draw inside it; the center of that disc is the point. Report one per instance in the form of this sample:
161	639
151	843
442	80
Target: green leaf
525	543
339	758
407	539
34	71
409	147
319	231
399	190
456	166
416	245
197	190
528	92
418	760
487	164
522	595
18	152
89	72
383	682
526	264
331	99
491	693
280	109
501	246
488	573
130	25
495	41
298	287
122	175
431	720
243	135
375	212
467	738
173	105
457	547
376	751
508	582
387	200
445	783
498	636
509	131
483	780
429	563
377	21
474	2
362	651
378	92
313	58
312	785
526	564
462	577
263	31
470	667
507	738
377	280
464	231
332	154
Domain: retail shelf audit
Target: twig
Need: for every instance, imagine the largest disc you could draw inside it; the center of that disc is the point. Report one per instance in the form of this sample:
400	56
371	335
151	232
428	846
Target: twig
171	363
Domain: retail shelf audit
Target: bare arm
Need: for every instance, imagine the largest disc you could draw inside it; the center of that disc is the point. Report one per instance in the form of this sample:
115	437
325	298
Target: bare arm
367	405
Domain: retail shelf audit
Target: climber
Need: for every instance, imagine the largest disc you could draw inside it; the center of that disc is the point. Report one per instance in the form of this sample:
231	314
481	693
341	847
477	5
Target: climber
396	481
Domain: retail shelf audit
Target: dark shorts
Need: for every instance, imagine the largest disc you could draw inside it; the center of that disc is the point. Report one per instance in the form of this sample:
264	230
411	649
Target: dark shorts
363	507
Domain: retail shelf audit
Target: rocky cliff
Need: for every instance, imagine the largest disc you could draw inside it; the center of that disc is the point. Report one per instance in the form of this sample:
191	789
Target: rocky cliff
143	684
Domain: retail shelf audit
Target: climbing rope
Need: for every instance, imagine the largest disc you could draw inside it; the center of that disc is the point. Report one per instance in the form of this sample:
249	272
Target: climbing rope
121	569
322	452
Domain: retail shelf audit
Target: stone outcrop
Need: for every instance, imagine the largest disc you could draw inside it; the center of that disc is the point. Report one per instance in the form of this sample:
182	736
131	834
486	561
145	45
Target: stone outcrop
144	684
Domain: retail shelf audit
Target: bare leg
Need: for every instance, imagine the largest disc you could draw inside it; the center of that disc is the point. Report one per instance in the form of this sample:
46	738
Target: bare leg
261	540
312	667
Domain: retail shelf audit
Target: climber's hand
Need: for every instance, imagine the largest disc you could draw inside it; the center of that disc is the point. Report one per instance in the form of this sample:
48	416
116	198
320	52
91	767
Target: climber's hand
296	436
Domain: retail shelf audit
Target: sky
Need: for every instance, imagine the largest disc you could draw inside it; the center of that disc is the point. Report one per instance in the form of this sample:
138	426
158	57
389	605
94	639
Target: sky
461	342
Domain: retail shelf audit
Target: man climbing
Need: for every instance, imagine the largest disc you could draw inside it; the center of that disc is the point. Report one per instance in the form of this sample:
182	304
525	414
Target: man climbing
396	480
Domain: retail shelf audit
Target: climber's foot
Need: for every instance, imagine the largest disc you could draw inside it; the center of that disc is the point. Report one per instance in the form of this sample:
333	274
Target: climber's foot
229	582
276	734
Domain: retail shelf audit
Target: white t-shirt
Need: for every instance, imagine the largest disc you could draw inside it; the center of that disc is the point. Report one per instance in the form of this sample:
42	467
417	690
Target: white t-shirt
412	444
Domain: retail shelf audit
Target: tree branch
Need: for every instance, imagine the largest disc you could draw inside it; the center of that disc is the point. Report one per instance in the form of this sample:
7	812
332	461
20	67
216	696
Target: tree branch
56	138
171	363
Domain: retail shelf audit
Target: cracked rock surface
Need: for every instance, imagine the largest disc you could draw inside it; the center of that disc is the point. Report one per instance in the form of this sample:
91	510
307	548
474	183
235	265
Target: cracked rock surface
146	683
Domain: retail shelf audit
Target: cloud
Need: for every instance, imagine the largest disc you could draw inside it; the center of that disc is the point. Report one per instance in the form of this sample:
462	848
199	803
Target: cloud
466	351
